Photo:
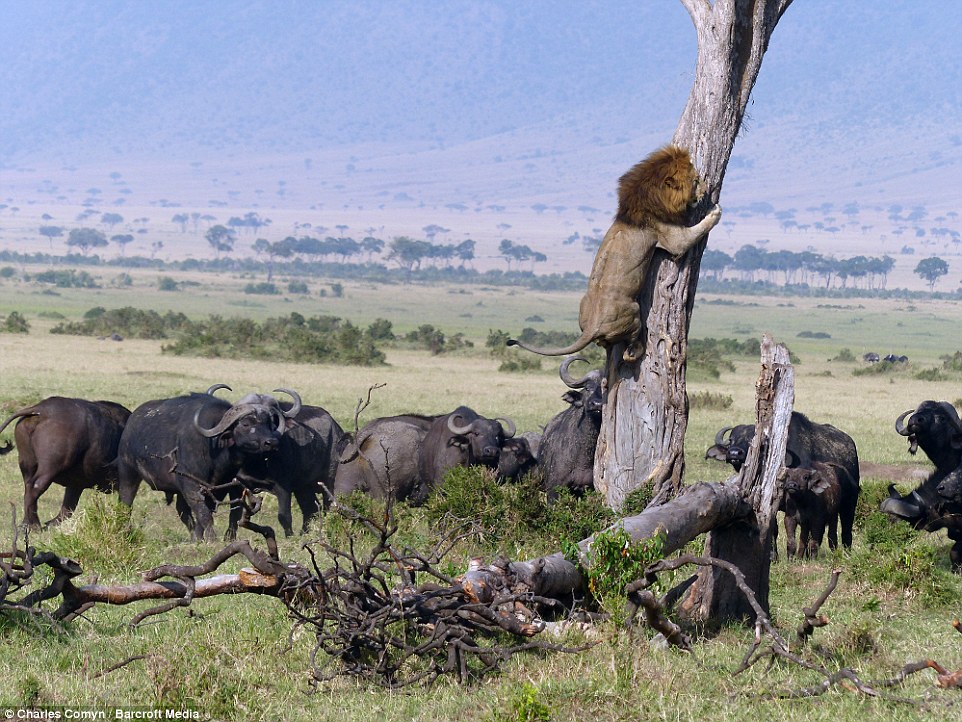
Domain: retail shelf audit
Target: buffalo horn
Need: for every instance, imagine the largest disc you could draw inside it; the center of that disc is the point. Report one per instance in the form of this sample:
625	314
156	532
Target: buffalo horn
455	428
720	436
296	408
509	427
570	380
213	389
899	426
226	421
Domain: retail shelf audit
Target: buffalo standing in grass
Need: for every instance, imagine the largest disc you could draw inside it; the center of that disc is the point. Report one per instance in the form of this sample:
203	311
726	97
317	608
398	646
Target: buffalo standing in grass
381	460
461	438
813	496
808	443
192	446
66	441
566	457
303	466
934	427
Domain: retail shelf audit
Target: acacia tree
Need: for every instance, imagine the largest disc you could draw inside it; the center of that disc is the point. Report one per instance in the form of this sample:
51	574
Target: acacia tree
931	270
646	414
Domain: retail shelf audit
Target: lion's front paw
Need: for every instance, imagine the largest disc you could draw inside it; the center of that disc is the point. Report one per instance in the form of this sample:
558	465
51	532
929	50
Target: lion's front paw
633	352
715	214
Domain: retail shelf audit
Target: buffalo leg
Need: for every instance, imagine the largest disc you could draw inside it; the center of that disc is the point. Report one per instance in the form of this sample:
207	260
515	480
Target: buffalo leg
33	486
307	500
71	497
284	514
203	517
183	511
955	553
815	536
804	537
791	524
832	533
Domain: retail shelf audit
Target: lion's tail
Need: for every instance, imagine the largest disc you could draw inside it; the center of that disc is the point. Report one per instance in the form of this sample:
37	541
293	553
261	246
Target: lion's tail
582	341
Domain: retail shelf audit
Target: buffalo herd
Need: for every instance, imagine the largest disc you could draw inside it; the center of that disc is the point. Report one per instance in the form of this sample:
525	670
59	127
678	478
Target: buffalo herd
202	451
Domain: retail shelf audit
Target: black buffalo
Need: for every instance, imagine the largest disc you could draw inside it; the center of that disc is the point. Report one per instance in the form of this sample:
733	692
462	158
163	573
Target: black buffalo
566	457
66	441
808	443
934	427
461	438
303	465
812	497
193	446
516	459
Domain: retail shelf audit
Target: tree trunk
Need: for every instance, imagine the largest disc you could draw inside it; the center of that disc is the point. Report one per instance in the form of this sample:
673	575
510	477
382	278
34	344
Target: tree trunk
646	415
746	543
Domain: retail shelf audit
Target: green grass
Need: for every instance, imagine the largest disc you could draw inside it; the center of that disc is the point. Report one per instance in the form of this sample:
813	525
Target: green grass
235	657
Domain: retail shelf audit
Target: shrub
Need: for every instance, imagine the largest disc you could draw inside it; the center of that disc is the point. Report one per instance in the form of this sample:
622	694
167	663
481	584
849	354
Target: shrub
263	288
932	374
709	400
616	561
297	287
166	283
15	323
8	272
845	355
953	362
814	334
337	290
67	279
520	364
381	330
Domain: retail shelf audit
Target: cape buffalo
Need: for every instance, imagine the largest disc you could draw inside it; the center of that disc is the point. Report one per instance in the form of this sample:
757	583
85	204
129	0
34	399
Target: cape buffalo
193	446
461	438
808	442
814	494
934	427
381	460
566	458
303	465
516	459
66	441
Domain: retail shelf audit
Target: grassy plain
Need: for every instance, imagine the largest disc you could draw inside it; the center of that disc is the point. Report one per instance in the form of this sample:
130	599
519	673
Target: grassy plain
236	658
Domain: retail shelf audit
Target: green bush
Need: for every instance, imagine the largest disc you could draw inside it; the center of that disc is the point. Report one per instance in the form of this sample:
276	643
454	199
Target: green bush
710	400
67	279
263	288
297	288
845	355
166	283
8	272
953	362
15	323
508	514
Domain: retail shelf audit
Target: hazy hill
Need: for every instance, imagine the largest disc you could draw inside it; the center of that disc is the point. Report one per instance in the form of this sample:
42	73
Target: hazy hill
495	119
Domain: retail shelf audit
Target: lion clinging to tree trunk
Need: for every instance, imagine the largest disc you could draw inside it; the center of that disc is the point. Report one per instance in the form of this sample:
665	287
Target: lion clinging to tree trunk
653	198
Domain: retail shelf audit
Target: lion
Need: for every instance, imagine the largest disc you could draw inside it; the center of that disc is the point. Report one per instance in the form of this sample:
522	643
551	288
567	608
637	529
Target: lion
653	198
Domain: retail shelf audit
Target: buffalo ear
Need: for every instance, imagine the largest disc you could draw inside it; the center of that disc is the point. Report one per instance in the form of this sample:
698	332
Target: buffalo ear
575	398
226	440
461	442
822	483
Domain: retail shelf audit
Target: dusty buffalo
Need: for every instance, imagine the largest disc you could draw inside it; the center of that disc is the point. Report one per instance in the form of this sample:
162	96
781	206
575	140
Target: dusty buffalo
814	495
934	427
566	457
461	438
192	446
66	441
303	465
808	443
381	460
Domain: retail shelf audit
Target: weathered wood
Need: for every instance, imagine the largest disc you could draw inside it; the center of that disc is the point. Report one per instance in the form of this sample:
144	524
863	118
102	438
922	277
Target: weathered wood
747	543
646	415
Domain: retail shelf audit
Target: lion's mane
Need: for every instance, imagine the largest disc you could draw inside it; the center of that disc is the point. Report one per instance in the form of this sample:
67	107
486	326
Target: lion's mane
658	188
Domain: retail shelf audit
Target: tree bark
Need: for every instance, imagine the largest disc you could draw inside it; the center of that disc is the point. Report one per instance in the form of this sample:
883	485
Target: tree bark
646	414
746	543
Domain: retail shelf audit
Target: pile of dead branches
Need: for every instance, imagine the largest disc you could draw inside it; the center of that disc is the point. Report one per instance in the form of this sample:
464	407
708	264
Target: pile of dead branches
392	617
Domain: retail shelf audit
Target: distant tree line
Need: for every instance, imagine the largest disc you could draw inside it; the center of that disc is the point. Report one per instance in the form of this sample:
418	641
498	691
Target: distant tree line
751	263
